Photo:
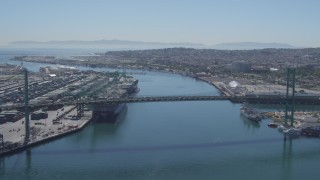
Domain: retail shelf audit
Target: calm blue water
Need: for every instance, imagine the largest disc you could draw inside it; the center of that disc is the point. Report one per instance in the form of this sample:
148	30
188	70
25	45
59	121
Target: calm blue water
171	140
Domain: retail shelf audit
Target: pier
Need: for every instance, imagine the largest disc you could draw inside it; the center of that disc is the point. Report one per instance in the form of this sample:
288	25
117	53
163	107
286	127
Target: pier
59	123
94	93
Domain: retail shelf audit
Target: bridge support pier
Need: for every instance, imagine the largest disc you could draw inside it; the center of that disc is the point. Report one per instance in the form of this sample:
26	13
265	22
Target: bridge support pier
26	106
1	143
80	109
291	83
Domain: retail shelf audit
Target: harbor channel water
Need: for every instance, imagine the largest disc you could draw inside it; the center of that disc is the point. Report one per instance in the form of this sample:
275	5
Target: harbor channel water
170	140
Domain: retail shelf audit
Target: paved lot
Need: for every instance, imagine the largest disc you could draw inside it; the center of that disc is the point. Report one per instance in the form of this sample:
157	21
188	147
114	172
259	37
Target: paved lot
41	129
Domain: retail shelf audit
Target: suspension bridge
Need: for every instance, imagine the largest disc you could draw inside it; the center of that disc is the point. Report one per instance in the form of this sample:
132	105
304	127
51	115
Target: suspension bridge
235	99
97	104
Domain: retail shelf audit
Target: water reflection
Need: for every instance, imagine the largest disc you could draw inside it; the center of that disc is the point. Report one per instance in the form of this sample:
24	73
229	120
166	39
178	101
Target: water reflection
28	164
248	123
2	165
107	132
286	158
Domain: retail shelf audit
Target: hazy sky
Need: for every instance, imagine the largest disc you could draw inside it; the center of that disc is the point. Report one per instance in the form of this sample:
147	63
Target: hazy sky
200	21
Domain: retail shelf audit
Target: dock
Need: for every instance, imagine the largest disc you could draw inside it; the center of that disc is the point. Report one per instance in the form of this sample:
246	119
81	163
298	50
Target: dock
59	123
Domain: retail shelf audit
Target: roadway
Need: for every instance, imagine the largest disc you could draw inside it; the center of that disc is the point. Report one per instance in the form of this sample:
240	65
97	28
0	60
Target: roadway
309	100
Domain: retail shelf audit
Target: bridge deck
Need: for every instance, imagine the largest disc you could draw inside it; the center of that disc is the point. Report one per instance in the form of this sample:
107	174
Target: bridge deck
235	99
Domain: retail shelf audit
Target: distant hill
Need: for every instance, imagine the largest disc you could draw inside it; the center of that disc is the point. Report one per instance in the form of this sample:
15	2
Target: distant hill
251	45
108	44
124	44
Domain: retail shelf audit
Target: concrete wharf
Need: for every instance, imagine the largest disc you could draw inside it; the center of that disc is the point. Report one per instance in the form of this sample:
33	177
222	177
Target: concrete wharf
59	123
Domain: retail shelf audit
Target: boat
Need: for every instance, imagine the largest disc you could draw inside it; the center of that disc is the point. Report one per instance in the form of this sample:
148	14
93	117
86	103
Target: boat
130	84
292	132
272	125
108	113
250	114
311	131
281	128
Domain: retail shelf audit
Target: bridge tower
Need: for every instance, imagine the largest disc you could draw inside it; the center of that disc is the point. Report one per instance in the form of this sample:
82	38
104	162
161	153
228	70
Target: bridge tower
290	96
1	143
80	109
26	108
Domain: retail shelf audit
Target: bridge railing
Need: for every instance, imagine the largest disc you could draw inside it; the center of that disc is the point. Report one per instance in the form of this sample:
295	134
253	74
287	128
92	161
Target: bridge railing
236	99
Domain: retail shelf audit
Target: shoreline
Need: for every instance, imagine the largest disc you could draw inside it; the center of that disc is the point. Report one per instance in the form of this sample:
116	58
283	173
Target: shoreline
218	83
82	126
46	140
135	69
